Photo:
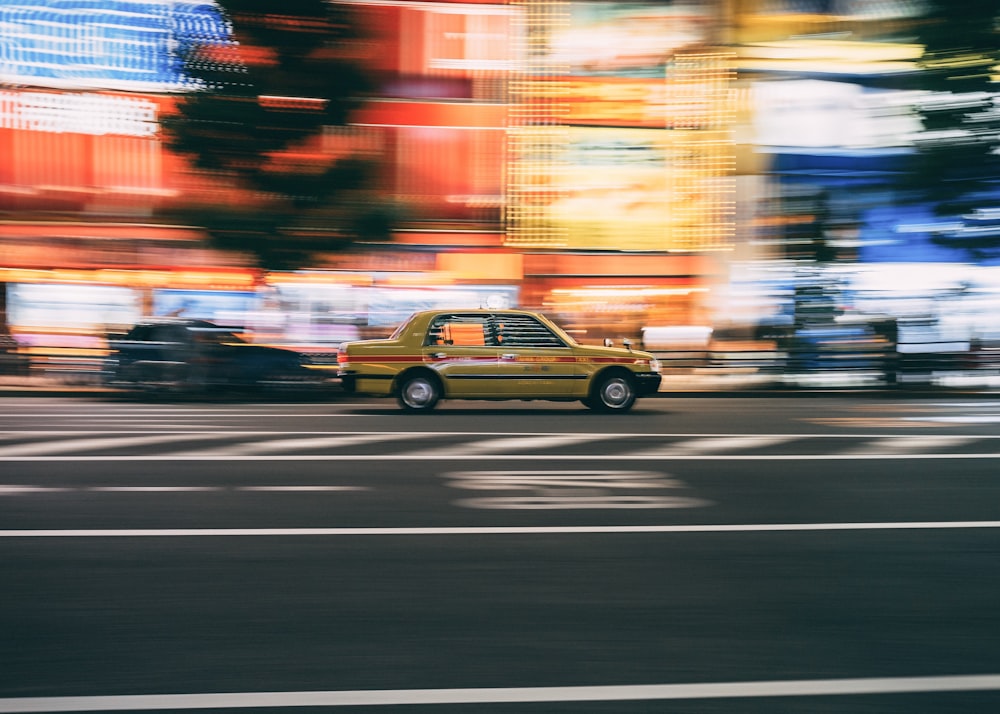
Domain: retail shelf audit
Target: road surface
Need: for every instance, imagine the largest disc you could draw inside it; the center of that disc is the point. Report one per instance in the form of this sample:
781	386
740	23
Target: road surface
821	554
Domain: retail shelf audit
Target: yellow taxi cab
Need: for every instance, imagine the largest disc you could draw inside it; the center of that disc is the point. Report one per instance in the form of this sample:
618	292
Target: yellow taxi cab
494	354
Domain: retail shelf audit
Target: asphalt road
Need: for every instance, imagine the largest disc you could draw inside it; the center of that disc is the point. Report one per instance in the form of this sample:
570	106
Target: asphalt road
710	554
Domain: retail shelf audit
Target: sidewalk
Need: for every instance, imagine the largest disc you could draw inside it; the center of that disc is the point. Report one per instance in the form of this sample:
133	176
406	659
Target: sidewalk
722	380
42	385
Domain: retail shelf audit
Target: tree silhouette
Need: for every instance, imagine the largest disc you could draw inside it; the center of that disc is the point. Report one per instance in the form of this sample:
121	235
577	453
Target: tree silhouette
260	103
956	162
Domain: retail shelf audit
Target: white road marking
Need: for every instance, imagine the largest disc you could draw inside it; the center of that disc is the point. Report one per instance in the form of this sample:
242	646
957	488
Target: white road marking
488	530
21	490
192	414
497	695
50	447
561	489
911	444
511	443
970	419
577	502
305	443
703	444
184	430
586	436
966	405
448	456
897	446
18	490
558	479
152	489
302	489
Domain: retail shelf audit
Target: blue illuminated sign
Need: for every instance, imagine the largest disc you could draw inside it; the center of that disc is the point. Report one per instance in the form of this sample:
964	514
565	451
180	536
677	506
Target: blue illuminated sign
106	44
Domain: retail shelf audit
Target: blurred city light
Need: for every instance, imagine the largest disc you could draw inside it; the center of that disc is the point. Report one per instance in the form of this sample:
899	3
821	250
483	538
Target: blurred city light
765	187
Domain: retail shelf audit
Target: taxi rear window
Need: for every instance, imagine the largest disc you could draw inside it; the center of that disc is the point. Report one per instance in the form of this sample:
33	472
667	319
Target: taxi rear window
458	330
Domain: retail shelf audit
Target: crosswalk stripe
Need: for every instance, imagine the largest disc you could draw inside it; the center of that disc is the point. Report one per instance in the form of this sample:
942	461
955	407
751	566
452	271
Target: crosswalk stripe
78	445
318	445
507	444
911	444
315	442
703	445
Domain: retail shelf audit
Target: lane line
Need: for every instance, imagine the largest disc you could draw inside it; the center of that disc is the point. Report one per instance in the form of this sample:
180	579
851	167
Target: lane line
498	695
195	416
489	530
22	490
152	489
417	456
493	434
302	489
173	430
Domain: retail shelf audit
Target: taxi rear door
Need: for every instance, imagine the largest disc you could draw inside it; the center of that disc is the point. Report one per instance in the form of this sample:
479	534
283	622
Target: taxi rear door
458	347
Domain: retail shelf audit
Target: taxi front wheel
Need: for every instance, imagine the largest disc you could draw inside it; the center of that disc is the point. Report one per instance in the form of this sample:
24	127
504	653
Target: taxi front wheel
612	393
419	393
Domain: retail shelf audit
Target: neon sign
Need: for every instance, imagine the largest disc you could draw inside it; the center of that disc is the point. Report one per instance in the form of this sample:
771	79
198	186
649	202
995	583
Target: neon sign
103	44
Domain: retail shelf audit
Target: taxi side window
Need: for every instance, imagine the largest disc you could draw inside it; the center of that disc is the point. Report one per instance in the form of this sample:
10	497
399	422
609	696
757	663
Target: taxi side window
457	330
524	331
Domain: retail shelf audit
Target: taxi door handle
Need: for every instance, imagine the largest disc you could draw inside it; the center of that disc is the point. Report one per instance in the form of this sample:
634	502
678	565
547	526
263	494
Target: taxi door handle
438	355
508	356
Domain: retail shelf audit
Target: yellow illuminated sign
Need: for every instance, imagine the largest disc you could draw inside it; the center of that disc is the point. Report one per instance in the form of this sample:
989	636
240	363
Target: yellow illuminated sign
635	183
135	278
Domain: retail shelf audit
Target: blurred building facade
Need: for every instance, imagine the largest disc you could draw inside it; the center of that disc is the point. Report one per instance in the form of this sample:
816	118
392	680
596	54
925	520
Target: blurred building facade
613	163
570	156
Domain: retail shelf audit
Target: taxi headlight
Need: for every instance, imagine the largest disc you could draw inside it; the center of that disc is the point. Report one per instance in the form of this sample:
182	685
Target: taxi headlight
654	365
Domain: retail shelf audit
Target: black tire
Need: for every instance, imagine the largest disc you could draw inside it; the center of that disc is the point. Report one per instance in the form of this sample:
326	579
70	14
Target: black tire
613	392
419	392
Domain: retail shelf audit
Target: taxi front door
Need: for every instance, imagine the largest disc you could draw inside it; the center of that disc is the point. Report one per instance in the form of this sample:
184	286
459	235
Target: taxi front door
532	361
536	371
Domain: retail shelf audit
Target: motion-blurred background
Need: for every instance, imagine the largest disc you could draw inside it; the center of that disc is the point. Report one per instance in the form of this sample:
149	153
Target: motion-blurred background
795	187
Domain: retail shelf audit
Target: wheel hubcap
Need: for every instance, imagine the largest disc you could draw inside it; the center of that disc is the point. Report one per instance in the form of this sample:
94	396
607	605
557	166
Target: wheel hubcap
616	393
418	393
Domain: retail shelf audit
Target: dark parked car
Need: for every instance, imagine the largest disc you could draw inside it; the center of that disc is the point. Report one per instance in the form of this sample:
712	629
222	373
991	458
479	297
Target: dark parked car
12	361
196	355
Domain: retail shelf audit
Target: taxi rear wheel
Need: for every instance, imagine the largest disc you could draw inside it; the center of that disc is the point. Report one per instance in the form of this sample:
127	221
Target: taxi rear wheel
419	392
614	392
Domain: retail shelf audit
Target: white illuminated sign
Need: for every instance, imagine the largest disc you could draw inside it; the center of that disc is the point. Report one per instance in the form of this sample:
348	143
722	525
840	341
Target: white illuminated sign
77	114
820	114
